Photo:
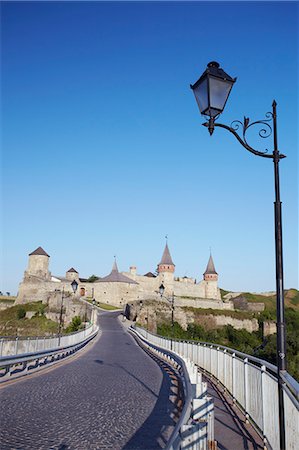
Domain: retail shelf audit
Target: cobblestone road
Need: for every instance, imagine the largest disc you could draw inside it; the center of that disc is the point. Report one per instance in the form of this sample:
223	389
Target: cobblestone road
112	397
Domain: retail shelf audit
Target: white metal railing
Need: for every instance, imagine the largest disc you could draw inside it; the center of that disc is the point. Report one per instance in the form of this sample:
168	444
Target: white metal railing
195	427
20	345
17	363
252	383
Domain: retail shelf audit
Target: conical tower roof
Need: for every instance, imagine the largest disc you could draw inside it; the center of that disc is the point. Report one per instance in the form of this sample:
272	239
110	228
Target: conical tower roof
39	251
116	277
72	270
210	267
166	258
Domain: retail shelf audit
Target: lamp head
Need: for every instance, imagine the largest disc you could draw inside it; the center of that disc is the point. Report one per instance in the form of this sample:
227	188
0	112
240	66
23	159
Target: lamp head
212	90
74	285
161	289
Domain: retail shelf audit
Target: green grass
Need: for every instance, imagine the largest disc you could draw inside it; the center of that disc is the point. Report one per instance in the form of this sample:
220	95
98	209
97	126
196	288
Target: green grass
291	297
104	305
108	307
223	292
10	325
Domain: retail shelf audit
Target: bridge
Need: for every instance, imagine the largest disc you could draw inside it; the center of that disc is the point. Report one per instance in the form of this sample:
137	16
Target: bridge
117	393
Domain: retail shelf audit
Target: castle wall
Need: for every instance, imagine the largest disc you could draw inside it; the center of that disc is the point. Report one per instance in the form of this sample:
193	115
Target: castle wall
203	303
204	289
33	289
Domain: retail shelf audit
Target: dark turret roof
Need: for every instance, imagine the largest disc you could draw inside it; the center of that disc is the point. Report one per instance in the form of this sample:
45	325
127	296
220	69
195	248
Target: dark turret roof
166	258
72	270
116	277
210	267
149	275
39	251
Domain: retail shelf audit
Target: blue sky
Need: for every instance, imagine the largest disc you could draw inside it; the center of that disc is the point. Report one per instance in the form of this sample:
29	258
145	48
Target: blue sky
103	152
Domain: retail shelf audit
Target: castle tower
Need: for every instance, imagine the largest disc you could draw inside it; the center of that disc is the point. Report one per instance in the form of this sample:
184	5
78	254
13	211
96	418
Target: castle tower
72	274
211	281
210	273
38	265
166	264
166	269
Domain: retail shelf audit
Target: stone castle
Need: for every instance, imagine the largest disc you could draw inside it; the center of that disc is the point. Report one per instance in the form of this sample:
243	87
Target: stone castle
120	288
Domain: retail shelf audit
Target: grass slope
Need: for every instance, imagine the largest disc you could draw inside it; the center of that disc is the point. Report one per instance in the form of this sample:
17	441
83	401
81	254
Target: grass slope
39	325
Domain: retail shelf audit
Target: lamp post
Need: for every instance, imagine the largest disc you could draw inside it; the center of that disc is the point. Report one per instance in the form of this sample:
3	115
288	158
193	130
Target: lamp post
93	310
171	300
74	285
60	316
211	92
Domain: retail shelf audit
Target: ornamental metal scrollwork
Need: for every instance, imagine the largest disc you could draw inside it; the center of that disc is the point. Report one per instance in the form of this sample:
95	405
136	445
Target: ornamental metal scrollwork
263	132
239	130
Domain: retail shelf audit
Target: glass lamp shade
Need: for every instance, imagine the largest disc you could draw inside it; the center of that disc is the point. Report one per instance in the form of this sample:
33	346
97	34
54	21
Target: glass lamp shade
161	289
212	90
74	285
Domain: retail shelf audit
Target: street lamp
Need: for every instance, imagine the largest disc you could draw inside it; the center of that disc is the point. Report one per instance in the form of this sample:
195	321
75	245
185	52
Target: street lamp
211	92
170	300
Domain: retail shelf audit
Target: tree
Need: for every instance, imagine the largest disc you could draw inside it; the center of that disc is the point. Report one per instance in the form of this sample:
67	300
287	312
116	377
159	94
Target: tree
92	279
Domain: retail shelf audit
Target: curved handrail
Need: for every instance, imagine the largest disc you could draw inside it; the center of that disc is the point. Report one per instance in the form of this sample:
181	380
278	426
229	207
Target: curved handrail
17	359
243	393
187	408
230	350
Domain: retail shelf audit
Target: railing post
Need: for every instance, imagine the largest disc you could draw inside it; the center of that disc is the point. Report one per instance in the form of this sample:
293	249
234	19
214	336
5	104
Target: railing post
246	388
2	340
264	403
224	369
16	345
233	376
217	370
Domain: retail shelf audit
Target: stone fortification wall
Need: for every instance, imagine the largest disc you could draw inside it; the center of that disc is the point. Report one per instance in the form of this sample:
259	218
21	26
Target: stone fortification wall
203	303
204	289
154	312
72	307
34	289
117	294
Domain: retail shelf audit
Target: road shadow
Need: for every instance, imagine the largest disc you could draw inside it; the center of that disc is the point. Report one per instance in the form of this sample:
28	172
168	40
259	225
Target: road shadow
152	435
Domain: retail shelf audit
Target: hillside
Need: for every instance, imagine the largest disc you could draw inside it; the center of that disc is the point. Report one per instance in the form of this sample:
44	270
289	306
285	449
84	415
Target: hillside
291	298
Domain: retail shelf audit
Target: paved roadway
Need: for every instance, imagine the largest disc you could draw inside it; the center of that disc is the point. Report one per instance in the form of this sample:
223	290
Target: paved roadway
114	396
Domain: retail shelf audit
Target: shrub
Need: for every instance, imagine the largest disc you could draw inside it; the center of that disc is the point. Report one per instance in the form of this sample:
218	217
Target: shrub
74	325
21	313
